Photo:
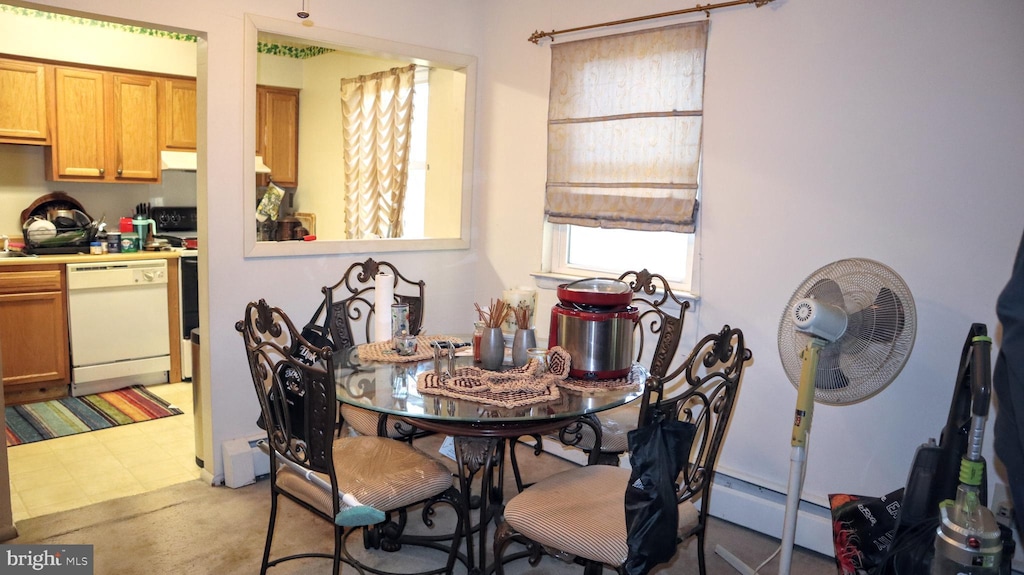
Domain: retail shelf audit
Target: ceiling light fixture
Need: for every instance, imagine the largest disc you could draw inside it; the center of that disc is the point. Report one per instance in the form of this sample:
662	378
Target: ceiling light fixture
304	15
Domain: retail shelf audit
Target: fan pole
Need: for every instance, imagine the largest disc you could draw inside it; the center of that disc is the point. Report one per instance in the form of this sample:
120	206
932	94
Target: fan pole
797	460
798	455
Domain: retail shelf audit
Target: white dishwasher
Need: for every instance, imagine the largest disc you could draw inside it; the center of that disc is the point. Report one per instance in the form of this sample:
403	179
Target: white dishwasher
118	315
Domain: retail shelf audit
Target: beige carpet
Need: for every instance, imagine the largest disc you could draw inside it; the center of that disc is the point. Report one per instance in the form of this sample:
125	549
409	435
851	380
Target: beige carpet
196	529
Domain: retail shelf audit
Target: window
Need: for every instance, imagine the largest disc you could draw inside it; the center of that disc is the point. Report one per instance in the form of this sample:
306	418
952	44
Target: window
624	142
414	212
596	251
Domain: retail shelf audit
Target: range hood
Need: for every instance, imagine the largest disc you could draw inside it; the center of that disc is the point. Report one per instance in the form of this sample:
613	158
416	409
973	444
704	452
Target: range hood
186	162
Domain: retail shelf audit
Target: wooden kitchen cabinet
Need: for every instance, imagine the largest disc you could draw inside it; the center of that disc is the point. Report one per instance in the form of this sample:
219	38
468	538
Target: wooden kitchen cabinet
106	127
178	114
34	333
24	112
136	151
277	133
79	148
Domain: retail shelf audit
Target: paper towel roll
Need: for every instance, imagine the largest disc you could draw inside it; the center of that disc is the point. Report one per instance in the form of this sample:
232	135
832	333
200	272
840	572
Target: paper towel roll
383	297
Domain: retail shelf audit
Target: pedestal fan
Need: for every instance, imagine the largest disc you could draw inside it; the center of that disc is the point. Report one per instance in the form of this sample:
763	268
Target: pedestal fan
845	334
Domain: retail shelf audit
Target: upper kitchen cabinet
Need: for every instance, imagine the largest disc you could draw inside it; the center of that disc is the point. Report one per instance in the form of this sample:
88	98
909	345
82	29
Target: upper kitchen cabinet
136	150
24	114
106	127
178	114
277	138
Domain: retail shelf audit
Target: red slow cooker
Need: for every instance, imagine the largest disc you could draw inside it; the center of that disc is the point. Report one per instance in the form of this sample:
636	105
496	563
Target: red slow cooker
594	322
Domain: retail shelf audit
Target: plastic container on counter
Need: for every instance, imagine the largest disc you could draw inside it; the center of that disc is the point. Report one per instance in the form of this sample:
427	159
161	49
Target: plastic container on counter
129	242
114	242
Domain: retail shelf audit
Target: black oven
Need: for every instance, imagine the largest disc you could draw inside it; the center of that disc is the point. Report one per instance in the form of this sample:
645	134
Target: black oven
178	226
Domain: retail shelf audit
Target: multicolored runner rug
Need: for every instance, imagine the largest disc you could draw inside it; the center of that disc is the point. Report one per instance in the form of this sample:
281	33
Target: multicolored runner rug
59	417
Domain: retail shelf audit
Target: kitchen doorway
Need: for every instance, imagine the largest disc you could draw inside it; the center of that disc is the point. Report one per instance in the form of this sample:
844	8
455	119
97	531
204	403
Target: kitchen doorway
129	459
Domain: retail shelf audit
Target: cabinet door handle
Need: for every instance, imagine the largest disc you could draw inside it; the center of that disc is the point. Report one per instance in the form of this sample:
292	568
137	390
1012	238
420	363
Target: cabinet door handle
102	171
119	172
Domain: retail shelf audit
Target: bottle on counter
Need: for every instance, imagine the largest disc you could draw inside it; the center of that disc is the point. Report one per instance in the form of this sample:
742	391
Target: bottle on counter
478	333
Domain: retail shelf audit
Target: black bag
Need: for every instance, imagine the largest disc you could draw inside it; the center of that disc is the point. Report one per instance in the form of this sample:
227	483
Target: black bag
316	334
658	452
863	529
289	377
295	407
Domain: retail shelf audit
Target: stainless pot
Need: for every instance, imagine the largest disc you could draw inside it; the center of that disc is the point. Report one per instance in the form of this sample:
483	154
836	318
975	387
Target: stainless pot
600	343
69	218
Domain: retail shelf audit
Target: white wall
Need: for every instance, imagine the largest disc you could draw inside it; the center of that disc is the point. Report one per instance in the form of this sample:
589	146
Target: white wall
833	129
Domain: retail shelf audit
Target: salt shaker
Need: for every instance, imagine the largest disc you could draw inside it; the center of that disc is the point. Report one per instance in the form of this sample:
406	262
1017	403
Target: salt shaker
451	360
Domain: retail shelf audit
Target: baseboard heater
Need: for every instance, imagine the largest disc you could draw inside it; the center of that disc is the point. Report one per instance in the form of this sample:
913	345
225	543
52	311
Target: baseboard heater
244	462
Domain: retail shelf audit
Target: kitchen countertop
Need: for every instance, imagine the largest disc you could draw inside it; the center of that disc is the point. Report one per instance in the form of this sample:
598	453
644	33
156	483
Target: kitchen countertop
85	258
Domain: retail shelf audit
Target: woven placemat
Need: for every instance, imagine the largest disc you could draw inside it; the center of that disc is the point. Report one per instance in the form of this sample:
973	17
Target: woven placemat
430	383
382	351
593	385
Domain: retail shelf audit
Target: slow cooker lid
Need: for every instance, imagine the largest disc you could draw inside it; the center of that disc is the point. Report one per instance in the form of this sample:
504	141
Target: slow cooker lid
595	292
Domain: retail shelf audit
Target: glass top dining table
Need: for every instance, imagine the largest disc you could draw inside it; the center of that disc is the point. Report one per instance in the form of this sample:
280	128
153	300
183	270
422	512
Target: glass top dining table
479	431
391	388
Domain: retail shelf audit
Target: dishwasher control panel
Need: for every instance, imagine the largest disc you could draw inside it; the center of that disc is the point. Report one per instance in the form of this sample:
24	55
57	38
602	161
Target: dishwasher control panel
116	274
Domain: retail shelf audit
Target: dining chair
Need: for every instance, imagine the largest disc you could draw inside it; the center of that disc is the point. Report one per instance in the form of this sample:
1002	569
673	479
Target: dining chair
350	309
362	483
656	342
581	515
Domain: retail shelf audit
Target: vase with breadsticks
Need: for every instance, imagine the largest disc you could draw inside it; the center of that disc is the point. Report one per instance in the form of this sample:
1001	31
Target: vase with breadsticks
525	337
492	342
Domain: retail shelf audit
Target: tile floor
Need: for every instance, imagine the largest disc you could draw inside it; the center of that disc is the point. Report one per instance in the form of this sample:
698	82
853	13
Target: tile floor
77	470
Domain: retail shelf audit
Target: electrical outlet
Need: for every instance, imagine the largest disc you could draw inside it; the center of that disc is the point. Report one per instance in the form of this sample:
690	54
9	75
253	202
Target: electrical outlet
1001	506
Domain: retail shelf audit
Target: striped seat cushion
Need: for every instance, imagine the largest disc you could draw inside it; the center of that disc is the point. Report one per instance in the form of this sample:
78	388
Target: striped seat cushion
380	472
364	421
583	512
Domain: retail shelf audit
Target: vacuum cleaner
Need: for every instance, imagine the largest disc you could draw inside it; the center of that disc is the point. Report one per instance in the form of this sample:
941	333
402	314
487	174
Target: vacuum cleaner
944	527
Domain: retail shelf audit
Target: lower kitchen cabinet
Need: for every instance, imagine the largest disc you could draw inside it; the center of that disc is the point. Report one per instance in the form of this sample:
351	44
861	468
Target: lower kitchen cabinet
34	333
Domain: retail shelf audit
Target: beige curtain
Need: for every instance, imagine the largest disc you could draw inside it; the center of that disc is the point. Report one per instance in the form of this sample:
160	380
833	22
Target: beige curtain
624	129
376	121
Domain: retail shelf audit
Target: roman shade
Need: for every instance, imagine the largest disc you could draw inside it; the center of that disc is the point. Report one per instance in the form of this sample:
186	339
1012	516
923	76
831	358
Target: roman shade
624	129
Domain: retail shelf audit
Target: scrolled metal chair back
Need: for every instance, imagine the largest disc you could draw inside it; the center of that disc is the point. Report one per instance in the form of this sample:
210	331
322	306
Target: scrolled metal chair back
660	324
350	304
298	402
710	377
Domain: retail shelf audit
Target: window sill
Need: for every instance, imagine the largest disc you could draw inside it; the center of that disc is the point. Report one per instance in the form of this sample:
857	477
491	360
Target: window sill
551	280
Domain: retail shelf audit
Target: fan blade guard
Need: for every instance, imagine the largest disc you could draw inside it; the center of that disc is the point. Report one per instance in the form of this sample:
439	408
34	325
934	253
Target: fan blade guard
880	327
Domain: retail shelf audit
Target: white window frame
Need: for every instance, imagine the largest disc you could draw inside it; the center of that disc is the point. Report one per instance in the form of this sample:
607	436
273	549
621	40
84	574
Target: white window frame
557	270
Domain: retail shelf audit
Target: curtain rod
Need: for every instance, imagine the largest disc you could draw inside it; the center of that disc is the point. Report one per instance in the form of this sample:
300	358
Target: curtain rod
707	8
